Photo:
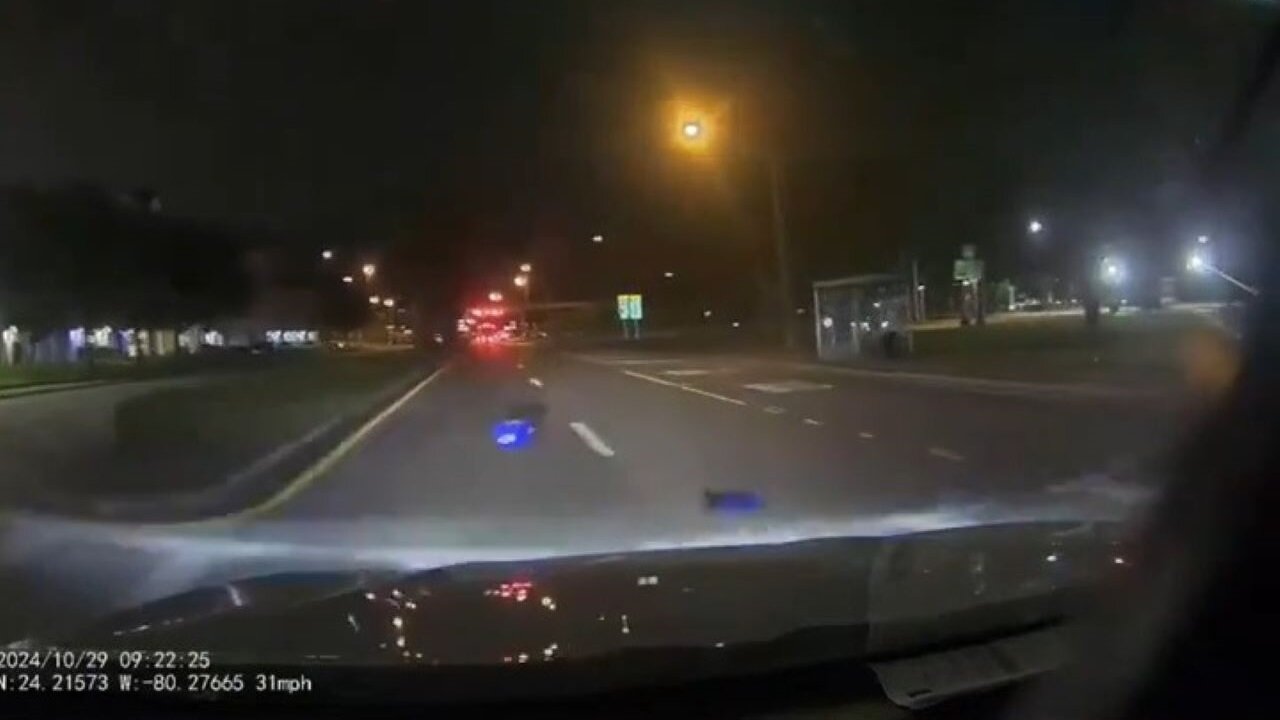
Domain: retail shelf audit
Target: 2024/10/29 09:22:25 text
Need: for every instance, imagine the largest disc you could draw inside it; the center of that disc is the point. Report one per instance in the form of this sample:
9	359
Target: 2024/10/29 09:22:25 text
105	660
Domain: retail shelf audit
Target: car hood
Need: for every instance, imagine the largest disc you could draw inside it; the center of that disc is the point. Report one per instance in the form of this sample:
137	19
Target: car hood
890	595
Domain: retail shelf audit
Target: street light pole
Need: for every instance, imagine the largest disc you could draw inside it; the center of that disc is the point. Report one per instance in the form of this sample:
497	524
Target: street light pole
780	250
1247	288
1198	263
692	131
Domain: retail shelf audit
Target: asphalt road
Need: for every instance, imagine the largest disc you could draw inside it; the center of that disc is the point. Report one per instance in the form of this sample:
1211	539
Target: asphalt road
640	439
625	449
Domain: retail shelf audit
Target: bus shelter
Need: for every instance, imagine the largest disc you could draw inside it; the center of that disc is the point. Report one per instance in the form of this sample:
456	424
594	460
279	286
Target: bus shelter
862	316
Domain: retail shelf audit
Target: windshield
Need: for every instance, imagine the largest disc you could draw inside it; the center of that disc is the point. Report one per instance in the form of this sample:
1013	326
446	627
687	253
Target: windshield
385	287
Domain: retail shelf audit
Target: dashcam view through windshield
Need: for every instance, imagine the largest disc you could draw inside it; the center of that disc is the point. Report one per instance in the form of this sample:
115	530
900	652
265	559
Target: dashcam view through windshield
428	335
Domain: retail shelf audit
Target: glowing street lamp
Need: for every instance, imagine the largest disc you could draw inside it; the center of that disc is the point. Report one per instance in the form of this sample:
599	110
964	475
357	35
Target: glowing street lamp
389	302
668	275
495	296
1035	226
348	279
374	300
526	268
691	129
326	254
368	269
521	281
1112	271
597	239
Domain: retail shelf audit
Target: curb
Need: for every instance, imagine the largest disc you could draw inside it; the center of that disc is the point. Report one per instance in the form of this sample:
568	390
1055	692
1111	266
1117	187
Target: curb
46	388
257	482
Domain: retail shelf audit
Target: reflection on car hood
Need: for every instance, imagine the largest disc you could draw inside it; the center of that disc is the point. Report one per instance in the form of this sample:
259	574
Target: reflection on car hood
897	592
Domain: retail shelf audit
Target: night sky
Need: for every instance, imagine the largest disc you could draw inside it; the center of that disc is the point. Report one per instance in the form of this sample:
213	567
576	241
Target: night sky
464	137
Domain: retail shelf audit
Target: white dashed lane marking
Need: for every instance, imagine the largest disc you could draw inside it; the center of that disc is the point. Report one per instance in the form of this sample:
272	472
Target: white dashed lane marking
535	382
714	396
774	410
591	439
866	435
946	454
811	421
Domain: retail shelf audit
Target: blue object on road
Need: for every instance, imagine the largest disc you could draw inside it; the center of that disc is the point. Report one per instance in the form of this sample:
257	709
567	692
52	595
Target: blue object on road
513	435
733	501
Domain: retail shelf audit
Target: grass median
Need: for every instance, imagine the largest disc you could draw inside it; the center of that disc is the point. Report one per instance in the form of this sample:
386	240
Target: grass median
1138	347
189	438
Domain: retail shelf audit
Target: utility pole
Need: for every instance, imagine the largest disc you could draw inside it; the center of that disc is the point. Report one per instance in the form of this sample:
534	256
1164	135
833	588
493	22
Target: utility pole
917	304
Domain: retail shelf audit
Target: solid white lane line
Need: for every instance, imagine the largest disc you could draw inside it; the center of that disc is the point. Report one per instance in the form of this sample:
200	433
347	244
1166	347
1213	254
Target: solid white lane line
714	396
615	360
686	388
592	440
535	382
811	421
651	378
946	454
866	436
774	410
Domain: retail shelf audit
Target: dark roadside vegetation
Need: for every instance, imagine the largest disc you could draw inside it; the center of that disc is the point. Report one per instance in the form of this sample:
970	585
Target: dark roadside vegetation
1135	347
1147	348
115	368
196	436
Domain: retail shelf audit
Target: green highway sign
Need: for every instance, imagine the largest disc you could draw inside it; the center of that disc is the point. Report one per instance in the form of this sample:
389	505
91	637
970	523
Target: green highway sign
968	269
